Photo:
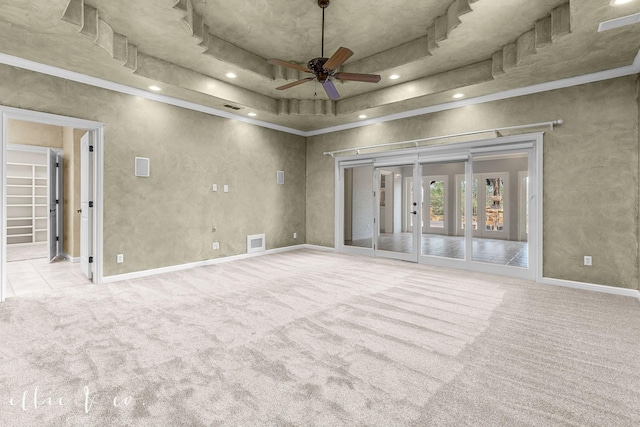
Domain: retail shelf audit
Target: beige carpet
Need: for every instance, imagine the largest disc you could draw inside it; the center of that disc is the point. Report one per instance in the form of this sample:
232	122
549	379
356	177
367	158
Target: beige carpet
309	338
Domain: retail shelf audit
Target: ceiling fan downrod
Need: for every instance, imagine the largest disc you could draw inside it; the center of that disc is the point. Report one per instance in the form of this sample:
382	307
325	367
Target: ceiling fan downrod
323	4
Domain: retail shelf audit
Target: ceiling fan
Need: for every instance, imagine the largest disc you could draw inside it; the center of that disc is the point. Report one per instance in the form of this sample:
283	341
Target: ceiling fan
323	68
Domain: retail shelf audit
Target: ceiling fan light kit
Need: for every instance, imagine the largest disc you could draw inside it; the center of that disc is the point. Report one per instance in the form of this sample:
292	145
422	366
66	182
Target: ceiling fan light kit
324	68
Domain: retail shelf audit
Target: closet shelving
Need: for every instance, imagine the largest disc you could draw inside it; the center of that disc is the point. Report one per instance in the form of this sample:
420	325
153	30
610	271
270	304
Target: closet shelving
26	202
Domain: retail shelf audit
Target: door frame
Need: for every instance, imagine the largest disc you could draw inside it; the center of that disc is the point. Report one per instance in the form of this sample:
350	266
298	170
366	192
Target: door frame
532	143
378	169
96	130
55	197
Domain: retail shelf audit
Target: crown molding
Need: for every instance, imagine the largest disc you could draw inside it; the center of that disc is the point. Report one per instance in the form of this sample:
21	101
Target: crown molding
14	61
613	73
50	70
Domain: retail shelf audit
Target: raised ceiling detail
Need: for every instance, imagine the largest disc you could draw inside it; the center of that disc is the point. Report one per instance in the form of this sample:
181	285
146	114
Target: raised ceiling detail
415	50
546	31
307	107
87	19
438	47
219	48
89	23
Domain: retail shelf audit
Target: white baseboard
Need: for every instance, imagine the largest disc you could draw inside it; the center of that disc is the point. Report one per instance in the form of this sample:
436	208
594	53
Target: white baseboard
145	273
70	258
214	261
591	287
318	248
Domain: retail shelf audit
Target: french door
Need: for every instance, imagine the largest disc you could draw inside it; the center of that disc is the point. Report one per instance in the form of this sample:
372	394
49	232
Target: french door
490	200
474	208
396	213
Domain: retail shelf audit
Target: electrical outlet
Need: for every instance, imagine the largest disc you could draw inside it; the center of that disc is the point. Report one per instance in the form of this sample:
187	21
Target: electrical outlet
588	260
295	235
214	187
216	246
226	188
120	258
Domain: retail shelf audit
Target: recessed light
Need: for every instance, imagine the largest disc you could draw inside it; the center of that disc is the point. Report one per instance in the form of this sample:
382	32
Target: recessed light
155	88
362	116
619	2
394	76
252	114
231	75
458	95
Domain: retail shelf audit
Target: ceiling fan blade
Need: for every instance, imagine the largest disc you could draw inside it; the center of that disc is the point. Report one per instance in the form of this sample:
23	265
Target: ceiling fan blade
289	65
330	89
356	77
299	82
337	59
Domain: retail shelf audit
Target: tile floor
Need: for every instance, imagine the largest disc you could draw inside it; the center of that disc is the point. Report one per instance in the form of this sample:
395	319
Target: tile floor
23	252
493	251
38	276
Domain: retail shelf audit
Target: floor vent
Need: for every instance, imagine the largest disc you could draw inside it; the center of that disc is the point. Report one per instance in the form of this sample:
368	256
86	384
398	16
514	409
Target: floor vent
256	243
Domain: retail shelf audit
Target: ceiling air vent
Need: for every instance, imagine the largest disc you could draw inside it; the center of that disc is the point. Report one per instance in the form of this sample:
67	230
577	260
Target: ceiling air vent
232	107
619	22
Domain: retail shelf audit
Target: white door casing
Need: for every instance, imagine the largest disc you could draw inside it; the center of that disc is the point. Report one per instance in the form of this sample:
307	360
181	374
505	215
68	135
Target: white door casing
407	251
86	212
54	183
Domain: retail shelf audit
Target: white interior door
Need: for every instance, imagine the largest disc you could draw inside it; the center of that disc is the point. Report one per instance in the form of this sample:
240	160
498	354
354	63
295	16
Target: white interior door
53	202
86	212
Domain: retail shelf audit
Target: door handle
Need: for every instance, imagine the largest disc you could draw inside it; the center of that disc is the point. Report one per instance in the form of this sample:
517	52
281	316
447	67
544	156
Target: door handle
414	212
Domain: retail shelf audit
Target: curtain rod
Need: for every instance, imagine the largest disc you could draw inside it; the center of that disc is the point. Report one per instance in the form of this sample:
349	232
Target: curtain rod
416	141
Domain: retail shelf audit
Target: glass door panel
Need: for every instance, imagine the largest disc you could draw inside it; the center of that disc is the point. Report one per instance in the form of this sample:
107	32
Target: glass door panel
494	204
358	206
397	214
497	239
442	210
434	195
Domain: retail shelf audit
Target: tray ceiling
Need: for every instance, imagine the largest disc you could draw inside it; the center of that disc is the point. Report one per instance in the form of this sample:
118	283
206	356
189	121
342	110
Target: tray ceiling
438	47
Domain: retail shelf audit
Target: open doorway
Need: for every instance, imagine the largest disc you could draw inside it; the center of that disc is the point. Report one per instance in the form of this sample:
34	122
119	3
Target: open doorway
50	195
43	227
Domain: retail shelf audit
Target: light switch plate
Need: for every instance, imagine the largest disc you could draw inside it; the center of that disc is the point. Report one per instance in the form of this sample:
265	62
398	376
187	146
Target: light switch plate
214	187
226	188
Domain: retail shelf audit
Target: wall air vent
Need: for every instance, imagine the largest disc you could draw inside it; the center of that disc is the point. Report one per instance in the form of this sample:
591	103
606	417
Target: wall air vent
142	166
256	243
232	107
